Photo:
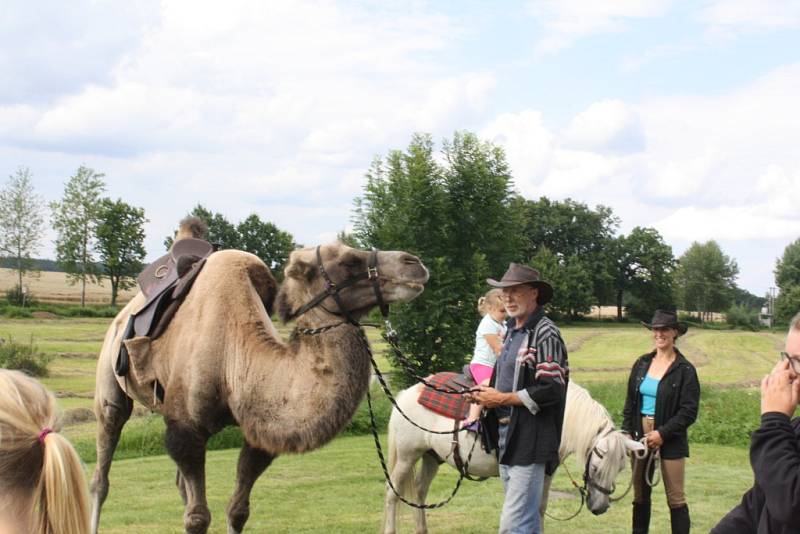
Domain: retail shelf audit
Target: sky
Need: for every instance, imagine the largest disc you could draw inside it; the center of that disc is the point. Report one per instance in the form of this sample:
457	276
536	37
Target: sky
682	116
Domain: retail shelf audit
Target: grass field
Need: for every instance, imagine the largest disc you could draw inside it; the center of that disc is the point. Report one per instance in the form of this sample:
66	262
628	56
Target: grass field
339	488
728	363
54	287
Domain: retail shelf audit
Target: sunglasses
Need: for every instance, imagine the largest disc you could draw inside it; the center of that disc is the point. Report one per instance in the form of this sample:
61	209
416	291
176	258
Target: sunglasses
794	361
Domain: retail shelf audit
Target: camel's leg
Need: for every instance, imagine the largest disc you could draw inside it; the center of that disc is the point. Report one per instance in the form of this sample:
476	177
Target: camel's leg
113	409
181	484
427	471
252	462
188	448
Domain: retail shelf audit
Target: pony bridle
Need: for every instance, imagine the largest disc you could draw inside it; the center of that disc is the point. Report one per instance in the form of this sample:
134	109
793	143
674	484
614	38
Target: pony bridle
587	479
332	289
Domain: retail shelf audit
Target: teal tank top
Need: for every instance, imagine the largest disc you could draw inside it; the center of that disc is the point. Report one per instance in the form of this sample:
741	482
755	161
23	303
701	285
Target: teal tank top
649	389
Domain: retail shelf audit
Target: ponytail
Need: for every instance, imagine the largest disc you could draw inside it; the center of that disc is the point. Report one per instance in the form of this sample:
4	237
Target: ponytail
61	498
36	462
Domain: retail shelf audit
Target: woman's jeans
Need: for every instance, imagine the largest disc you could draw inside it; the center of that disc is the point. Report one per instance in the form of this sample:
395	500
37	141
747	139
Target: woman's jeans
523	485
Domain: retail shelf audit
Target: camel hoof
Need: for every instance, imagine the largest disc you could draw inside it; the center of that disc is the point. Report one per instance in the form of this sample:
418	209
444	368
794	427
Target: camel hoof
197	521
232	530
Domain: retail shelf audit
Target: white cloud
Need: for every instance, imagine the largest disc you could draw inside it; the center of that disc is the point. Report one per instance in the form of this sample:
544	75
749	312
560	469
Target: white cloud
736	16
726	222
565	21
606	126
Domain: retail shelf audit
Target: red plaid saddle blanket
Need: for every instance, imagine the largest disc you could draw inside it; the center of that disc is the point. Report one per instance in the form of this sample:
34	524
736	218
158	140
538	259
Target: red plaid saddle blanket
453	406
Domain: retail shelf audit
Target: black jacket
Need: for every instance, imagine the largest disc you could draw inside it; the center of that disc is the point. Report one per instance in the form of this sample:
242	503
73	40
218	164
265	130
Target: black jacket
772	505
677	401
535	438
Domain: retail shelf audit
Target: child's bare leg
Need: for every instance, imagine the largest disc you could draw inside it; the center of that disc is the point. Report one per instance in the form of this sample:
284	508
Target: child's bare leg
475	409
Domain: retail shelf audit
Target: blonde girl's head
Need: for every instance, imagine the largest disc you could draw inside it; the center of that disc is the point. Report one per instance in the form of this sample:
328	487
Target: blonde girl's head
41	477
491	301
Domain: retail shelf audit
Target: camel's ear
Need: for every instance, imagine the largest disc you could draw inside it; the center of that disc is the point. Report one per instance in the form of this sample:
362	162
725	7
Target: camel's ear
299	270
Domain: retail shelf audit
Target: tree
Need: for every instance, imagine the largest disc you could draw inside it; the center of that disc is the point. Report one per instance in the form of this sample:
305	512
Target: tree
456	216
75	221
705	278
643	265
571	280
570	229
787	278
21	221
266	241
120	243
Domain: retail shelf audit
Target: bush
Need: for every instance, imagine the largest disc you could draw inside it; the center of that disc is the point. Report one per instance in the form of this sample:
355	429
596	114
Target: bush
16	297
725	417
742	317
26	358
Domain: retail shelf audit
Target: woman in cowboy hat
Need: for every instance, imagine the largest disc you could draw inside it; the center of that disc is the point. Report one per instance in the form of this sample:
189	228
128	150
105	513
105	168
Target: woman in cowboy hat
661	403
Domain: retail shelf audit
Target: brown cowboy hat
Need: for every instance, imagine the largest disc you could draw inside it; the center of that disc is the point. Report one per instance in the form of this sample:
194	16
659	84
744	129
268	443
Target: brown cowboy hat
522	274
666	319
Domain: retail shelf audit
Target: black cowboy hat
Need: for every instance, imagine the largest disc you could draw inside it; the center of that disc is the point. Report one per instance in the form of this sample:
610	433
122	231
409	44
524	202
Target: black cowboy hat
522	274
666	319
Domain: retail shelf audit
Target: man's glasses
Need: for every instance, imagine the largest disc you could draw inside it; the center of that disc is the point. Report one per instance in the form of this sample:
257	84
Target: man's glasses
794	361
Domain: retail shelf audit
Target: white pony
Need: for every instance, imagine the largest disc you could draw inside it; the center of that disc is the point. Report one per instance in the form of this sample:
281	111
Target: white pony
588	433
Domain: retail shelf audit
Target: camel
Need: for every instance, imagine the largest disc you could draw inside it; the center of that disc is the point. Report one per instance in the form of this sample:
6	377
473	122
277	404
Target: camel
221	362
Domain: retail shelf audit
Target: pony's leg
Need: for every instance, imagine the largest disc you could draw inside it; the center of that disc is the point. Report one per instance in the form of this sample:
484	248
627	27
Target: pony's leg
252	462
427	471
188	449
545	494
400	477
113	409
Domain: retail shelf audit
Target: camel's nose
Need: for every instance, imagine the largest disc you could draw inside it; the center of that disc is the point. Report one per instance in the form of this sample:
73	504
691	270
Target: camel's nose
410	259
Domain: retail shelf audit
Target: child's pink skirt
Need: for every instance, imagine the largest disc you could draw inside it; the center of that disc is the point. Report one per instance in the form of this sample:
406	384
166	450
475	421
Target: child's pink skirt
480	372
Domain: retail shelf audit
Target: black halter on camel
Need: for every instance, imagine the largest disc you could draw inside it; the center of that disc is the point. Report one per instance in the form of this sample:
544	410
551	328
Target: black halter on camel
332	289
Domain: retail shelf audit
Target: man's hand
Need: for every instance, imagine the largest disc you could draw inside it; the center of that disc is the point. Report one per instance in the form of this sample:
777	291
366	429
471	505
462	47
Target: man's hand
491	398
654	439
780	390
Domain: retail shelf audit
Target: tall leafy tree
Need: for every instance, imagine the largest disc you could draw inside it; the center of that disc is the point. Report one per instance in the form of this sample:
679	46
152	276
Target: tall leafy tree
705	278
75	221
575	233
787	278
21	221
643	265
120	243
266	241
456	216
572	282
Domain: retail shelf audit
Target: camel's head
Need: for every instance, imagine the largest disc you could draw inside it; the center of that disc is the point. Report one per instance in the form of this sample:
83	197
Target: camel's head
401	277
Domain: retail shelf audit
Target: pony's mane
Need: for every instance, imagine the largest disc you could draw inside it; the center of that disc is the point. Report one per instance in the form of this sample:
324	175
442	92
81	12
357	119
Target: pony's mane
584	420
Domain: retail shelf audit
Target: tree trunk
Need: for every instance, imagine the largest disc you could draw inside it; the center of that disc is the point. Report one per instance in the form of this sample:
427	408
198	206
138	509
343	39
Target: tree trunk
619	305
114	286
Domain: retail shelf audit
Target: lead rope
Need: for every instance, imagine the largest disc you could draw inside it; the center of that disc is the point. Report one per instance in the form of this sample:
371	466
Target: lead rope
581	491
653	465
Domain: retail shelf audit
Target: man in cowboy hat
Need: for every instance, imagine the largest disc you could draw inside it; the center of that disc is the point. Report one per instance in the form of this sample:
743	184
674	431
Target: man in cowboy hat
527	396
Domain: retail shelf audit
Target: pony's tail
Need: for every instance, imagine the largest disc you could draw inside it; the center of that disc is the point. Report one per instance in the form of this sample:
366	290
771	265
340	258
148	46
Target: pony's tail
61	497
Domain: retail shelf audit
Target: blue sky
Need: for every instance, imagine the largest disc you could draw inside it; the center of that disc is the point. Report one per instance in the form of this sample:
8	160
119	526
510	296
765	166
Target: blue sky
678	115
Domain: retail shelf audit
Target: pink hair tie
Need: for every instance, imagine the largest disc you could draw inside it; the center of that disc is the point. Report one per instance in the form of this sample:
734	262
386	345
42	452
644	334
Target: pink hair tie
43	434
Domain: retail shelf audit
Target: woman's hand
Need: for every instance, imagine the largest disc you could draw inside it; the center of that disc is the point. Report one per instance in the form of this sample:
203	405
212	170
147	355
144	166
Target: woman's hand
653	439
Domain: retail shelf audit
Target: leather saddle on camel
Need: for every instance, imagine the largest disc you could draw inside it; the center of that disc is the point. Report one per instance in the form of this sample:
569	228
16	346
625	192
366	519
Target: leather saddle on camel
164	284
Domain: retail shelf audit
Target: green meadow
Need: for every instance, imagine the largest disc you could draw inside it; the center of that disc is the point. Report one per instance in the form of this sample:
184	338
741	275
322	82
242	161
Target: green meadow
340	487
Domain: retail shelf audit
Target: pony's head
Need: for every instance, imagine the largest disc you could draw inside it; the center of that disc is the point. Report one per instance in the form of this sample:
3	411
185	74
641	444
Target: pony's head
606	460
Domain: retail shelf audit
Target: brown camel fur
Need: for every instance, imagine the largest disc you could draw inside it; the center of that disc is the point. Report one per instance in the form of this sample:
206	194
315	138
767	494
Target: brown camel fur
221	362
